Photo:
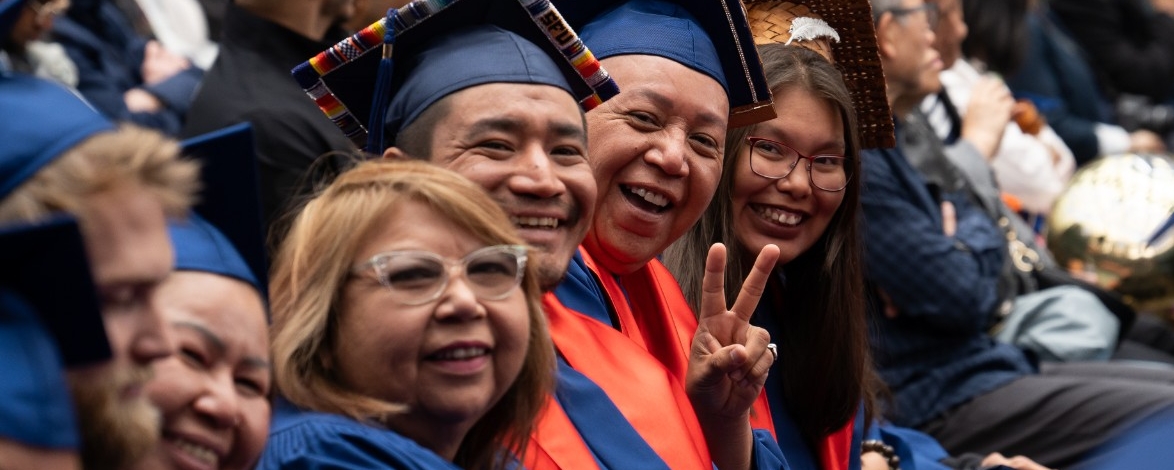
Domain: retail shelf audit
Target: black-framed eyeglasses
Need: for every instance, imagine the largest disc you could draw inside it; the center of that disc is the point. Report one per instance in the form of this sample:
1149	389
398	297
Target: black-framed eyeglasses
418	277
931	13
775	160
48	9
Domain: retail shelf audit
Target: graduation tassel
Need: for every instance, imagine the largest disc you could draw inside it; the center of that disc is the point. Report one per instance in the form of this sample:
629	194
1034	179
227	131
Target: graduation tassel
382	88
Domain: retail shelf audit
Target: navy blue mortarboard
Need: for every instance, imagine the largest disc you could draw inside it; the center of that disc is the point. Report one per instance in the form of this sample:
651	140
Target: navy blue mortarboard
226	235
43	120
46	264
710	36
440	47
50	319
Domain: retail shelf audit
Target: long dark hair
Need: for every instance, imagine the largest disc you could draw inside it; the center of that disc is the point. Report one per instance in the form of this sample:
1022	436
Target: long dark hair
997	33
824	355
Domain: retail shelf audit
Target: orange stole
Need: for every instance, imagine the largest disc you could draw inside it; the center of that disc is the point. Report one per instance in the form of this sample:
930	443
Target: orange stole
650	397
836	448
666	323
555	443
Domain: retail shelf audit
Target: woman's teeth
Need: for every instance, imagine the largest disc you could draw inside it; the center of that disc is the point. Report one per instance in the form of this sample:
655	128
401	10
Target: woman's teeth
780	217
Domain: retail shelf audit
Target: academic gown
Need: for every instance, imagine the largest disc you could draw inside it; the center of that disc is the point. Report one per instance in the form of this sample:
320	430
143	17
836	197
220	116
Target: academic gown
308	440
660	335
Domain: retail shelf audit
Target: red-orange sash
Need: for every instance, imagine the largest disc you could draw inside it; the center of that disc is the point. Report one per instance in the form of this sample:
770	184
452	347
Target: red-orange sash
555	443
836	448
648	395
666	323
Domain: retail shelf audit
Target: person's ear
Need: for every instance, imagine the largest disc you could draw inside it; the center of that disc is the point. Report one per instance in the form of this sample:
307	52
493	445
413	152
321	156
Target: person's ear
394	153
887	35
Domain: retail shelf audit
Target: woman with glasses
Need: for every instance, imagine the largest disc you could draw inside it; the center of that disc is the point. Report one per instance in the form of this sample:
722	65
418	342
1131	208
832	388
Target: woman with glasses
407	331
790	182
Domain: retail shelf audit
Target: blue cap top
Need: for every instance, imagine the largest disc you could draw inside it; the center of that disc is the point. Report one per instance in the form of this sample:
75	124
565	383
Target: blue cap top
42	120
50	318
466	58
201	247
666	30
712	37
227	234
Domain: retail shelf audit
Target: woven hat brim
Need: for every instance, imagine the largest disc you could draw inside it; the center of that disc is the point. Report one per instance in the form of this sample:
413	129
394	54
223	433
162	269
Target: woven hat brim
856	55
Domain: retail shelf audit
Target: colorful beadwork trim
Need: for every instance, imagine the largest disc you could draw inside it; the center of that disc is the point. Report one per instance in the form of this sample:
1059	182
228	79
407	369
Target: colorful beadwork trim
309	74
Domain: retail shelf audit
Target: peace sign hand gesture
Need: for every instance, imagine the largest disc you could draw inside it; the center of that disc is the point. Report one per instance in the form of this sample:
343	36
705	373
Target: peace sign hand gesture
729	358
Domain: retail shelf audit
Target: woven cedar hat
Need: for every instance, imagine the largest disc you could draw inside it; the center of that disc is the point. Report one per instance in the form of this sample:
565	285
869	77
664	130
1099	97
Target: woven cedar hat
855	54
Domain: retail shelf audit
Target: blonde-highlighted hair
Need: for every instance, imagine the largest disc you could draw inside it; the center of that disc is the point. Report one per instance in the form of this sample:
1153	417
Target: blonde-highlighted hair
127	155
313	263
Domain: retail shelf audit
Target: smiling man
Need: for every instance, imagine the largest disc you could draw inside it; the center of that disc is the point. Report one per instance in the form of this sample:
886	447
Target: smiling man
121	184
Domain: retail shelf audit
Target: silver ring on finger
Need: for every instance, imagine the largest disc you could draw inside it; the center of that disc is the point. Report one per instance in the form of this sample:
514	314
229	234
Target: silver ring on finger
774	350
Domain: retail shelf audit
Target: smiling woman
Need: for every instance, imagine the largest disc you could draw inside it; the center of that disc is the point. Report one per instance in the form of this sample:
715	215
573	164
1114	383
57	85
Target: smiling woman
401	338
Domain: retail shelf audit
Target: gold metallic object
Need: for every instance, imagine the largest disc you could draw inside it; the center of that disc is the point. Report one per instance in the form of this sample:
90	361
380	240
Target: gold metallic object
1102	224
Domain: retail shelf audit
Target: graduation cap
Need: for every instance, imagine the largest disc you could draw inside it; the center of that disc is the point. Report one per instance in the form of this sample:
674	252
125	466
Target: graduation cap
440	47
226	234
50	319
710	36
46	265
43	121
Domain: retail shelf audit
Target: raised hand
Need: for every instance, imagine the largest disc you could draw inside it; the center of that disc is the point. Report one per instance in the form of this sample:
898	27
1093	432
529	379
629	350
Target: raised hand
729	359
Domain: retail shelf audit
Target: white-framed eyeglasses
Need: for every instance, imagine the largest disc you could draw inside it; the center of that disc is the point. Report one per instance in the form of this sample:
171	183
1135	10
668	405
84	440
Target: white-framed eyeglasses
417	277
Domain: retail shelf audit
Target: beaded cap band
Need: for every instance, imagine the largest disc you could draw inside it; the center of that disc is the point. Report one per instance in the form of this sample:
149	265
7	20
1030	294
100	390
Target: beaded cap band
855	53
311	74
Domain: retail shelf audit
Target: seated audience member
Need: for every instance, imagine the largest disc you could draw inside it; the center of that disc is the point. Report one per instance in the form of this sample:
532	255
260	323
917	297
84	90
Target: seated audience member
24	48
963	169
120	183
127	77
975	112
534	163
417	266
938	266
213	394
47	298
262	41
1063	86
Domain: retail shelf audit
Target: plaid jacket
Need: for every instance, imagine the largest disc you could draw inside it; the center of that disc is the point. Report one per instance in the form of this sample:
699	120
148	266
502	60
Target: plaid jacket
936	353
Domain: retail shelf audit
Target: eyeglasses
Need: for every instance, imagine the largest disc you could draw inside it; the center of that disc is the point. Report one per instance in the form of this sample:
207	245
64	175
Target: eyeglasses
418	277
930	9
48	9
776	160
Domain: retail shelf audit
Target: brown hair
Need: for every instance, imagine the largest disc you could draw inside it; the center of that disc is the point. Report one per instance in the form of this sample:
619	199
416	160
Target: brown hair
313	262
823	352
128	155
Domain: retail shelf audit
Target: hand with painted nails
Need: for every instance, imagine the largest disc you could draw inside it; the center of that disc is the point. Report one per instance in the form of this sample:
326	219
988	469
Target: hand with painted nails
730	358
